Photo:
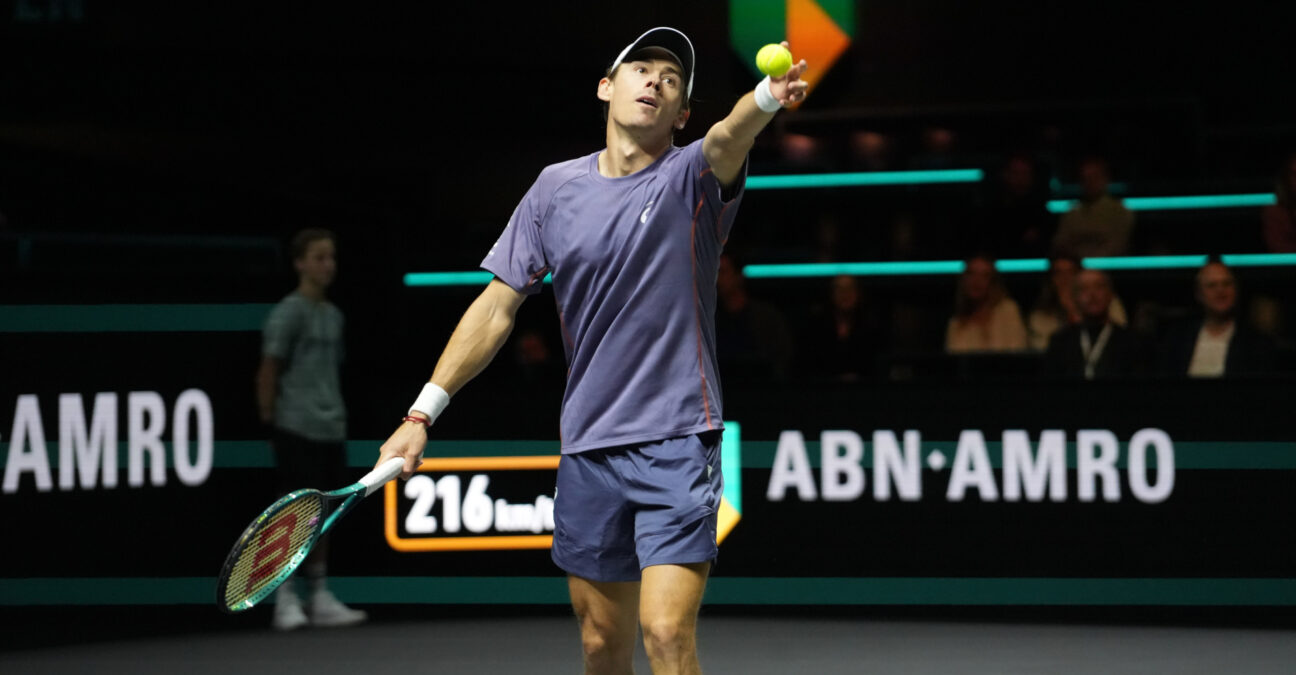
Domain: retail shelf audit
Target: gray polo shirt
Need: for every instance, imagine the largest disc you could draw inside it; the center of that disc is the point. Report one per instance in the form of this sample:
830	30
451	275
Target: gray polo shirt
306	336
634	262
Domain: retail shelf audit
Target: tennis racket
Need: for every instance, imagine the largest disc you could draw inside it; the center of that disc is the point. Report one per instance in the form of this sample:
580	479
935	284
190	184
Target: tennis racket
277	542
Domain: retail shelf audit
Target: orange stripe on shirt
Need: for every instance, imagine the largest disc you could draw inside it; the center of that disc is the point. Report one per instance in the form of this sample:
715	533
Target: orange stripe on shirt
697	315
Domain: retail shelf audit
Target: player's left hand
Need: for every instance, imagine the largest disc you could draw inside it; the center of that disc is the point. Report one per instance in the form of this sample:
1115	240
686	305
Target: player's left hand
789	88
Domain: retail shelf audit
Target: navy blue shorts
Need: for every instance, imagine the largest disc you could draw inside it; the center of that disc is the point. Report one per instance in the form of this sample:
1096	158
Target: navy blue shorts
619	510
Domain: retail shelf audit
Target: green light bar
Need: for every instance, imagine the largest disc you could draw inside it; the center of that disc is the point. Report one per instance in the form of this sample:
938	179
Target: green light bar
448	278
1022	265
919	268
1186	202
1258	259
821	180
1146	262
864	269
454	278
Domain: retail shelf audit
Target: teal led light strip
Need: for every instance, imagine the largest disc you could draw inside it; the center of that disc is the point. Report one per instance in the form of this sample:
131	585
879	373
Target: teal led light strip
863	269
731	463
1148	262
1258	259
919	268
132	318
454	278
1176	203
863	179
1022	265
468	590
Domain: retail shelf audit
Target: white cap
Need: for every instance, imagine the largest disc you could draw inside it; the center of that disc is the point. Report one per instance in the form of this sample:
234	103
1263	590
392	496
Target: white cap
672	41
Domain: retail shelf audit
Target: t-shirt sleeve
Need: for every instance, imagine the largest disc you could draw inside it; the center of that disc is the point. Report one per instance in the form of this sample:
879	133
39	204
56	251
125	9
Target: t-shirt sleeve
518	257
280	331
707	197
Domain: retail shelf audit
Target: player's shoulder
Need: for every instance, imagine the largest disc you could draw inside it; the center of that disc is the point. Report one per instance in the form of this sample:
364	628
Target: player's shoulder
683	157
293	302
559	173
286	311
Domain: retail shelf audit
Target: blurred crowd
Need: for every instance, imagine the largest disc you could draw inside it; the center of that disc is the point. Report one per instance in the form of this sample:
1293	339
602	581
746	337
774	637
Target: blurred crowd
1072	321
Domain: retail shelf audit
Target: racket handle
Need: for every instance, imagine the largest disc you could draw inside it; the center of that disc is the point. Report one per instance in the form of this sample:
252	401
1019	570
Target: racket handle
381	474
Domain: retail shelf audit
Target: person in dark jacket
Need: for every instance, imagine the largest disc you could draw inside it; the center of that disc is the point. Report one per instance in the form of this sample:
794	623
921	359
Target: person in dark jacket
1095	348
1216	344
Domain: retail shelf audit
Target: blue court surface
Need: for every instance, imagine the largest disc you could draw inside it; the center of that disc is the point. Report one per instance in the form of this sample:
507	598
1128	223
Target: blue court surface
729	644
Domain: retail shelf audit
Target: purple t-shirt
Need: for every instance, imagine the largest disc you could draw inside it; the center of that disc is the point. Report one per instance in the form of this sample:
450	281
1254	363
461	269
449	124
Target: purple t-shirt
634	262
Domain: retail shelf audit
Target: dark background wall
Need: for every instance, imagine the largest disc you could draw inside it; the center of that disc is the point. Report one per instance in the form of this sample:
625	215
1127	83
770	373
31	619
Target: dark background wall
164	152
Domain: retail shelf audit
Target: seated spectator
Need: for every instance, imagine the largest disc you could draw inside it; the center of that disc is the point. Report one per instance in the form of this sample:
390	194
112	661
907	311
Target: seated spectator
841	339
1013	222
985	318
1099	225
752	339
1095	348
1280	219
1216	344
1056	306
537	367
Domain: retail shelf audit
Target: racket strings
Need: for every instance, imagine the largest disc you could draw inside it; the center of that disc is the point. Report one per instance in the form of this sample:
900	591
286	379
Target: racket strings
271	548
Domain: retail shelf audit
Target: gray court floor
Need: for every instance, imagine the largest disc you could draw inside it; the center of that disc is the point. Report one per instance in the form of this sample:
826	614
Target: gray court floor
746	646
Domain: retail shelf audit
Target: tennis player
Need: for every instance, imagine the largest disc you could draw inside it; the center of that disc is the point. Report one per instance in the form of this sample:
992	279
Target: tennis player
632	235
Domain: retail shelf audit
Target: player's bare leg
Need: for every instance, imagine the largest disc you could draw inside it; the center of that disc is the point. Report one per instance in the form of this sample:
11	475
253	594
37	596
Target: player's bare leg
608	613
668	607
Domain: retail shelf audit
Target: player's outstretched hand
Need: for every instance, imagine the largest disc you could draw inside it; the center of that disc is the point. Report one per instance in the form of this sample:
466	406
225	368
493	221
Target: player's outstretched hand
789	88
407	442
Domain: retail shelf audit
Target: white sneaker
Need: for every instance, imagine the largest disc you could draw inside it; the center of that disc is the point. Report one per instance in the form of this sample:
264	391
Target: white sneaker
326	610
288	613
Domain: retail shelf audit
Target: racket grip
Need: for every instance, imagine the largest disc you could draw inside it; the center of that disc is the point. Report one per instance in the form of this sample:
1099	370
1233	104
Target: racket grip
381	474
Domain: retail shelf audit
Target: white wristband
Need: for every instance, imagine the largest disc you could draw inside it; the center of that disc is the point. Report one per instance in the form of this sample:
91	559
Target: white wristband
765	98
431	401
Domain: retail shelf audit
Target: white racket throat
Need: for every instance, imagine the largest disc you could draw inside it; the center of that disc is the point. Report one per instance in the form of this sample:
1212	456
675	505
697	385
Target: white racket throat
382	474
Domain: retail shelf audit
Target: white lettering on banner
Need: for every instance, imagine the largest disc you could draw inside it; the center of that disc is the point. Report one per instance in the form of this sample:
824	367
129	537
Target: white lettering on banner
1030	472
195	402
1090	466
27	447
1046	469
1160	442
971	468
477	512
145	418
889	465
88	452
791	469
841	474
83	452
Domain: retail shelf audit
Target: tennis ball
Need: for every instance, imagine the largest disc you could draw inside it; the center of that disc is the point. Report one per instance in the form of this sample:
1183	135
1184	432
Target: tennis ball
774	60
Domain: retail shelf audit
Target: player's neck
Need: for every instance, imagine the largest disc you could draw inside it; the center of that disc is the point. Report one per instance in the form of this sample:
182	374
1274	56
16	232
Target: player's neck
627	153
311	291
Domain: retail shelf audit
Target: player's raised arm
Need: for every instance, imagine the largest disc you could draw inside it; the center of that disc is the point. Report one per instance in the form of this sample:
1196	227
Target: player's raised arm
728	142
475	341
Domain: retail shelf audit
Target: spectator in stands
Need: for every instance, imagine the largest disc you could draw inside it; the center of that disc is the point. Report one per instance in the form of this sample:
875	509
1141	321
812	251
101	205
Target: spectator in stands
1013	223
1056	306
1095	348
1216	344
537	366
985	318
870	151
752	338
1099	225
1280	219
841	339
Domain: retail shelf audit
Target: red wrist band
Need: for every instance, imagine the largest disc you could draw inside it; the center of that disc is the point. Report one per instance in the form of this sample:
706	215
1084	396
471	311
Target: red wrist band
420	420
